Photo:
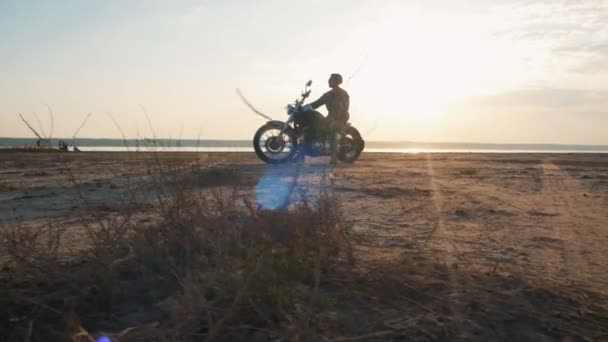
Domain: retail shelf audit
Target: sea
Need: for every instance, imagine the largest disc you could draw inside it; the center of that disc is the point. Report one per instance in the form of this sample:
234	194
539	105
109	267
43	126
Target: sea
197	145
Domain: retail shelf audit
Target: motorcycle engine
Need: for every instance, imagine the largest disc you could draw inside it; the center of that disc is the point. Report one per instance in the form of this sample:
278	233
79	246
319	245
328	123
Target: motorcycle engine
317	148
320	148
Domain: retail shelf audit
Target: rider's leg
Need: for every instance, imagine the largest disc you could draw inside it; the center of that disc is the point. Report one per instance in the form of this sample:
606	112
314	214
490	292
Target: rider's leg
335	128
334	151
301	158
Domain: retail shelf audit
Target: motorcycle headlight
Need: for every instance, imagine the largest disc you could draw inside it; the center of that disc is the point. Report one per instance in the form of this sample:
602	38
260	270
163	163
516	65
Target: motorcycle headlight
290	109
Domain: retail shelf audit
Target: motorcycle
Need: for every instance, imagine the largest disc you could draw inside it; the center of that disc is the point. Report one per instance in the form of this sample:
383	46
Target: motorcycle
304	133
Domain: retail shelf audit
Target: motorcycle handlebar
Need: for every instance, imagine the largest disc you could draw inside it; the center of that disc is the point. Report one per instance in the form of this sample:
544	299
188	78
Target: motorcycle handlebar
305	94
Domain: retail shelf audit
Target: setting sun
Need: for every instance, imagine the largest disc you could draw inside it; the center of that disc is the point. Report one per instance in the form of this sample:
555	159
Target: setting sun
415	68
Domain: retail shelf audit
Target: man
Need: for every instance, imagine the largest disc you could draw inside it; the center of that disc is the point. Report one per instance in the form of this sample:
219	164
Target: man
337	102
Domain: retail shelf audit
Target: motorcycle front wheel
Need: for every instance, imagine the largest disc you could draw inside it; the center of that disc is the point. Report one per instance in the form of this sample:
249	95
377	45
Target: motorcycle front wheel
273	147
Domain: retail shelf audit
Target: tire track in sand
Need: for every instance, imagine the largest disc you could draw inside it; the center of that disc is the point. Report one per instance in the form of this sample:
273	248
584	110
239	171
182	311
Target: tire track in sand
574	236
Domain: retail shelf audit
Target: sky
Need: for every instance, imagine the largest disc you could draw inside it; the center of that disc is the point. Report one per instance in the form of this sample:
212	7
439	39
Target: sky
488	71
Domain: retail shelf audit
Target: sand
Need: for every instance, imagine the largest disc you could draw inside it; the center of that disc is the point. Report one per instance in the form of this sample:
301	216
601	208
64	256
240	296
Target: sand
539	219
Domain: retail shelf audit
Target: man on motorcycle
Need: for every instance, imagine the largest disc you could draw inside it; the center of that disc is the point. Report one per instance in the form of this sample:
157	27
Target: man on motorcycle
337	102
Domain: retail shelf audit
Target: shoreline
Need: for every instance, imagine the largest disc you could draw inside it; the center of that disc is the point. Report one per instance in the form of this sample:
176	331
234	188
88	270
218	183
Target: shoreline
6	150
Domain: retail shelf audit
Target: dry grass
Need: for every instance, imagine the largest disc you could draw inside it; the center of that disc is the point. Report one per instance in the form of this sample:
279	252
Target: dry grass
203	266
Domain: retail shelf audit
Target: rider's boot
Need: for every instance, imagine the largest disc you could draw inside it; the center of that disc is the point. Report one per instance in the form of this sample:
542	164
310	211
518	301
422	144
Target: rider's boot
300	158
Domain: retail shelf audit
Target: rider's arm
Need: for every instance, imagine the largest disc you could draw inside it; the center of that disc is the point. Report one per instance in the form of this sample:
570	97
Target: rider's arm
320	102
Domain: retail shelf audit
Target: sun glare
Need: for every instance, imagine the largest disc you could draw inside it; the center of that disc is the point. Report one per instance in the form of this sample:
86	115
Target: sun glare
416	69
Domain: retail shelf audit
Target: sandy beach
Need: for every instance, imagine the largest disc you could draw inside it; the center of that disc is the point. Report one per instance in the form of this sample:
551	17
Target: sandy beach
533	226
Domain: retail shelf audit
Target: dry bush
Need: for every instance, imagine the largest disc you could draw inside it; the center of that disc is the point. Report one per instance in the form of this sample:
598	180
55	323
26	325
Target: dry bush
235	265
32	248
206	265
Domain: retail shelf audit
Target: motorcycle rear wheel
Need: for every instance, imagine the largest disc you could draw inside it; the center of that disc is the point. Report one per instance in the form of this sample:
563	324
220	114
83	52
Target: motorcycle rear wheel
351	146
272	147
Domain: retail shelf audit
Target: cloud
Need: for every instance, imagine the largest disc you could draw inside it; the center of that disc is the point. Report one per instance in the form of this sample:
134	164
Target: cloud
592	66
547	98
552	20
591	59
573	32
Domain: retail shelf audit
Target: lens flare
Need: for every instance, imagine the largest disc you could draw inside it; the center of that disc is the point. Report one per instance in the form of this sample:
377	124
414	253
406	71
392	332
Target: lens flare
272	192
103	339
278	183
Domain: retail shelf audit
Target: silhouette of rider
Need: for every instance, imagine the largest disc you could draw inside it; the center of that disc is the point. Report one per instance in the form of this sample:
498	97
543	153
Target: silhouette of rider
337	102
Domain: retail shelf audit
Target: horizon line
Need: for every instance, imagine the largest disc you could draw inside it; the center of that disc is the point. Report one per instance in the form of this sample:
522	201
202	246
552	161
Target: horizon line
370	141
